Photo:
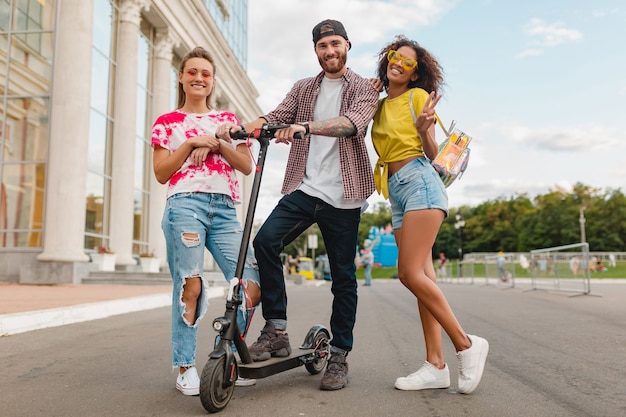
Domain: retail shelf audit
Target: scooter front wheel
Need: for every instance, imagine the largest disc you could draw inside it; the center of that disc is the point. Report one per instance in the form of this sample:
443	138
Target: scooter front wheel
213	394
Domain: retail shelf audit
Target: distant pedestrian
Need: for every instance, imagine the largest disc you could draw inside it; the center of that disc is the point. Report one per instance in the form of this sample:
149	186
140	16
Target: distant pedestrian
442	265
500	261
612	262
367	260
574	265
523	262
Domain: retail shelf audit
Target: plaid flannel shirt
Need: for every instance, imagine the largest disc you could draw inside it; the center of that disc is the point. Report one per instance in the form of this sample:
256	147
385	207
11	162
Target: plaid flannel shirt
358	103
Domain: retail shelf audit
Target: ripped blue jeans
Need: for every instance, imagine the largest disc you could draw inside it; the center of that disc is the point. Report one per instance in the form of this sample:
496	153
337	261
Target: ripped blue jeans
191	222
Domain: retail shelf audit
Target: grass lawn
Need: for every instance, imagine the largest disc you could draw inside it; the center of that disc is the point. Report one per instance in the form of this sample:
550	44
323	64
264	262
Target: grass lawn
619	271
382	272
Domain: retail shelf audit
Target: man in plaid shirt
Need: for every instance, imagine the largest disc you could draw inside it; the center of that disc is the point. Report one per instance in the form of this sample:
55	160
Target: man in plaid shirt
328	179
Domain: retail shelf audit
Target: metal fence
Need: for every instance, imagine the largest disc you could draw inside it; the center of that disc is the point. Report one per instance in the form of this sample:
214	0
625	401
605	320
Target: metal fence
500	270
464	273
562	268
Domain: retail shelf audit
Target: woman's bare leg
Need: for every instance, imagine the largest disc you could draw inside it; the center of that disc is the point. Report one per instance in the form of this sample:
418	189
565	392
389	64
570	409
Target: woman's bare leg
430	326
419	230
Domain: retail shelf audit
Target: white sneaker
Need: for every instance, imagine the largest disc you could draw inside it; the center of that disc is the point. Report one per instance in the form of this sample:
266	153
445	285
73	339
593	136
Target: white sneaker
426	377
244	382
472	364
188	383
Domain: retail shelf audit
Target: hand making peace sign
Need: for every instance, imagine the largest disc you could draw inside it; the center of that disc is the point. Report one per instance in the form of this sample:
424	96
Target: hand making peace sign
427	117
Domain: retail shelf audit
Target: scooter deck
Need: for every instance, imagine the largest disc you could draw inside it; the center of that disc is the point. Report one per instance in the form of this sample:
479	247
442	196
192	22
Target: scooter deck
273	366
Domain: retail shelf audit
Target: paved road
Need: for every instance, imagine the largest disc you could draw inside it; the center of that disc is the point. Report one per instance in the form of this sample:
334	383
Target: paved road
551	355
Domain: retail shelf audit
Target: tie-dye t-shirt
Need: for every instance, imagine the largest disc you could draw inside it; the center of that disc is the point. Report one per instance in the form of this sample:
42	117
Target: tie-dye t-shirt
215	175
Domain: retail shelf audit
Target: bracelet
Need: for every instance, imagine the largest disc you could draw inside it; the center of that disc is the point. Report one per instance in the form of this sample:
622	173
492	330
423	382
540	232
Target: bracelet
306	127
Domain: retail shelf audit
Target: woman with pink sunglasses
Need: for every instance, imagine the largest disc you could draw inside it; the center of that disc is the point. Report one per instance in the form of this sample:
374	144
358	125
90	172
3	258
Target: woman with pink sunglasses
195	157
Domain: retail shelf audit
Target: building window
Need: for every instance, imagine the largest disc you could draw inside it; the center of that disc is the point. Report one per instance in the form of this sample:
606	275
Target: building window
231	17
26	56
29	15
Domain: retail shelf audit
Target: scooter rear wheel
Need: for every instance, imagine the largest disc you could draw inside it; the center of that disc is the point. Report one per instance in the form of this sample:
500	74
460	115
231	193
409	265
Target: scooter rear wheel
213	394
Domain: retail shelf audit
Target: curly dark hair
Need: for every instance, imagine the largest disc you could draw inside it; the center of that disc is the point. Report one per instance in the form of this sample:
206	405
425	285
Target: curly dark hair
429	71
197	52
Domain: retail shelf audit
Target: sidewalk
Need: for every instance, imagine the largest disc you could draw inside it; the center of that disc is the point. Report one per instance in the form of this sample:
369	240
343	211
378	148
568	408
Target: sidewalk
31	307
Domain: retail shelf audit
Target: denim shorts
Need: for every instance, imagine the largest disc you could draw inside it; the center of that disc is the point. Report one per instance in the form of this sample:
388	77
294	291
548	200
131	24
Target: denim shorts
416	186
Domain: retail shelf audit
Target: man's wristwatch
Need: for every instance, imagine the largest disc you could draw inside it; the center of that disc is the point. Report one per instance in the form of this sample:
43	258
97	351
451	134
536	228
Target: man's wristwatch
306	127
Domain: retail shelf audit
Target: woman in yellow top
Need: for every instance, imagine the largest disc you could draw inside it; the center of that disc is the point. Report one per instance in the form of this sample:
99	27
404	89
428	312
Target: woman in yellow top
419	204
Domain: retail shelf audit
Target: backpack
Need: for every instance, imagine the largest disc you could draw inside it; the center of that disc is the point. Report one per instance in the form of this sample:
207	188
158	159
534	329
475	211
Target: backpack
454	152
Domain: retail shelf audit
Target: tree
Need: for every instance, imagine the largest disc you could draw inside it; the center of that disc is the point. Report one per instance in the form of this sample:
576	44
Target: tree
379	217
521	224
516	223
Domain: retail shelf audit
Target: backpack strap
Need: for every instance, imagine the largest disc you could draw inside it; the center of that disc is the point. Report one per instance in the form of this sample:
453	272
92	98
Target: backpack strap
447	132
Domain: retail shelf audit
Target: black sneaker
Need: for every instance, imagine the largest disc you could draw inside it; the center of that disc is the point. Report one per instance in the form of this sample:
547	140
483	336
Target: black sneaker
336	375
269	344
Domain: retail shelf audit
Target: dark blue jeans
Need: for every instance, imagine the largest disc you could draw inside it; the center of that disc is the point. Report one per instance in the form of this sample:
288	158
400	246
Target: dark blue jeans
294	213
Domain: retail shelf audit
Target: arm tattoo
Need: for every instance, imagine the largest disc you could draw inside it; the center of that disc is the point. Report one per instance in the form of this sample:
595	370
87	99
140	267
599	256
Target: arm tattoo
336	127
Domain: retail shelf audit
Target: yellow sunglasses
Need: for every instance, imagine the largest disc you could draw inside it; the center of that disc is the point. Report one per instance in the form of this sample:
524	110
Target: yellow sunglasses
394	56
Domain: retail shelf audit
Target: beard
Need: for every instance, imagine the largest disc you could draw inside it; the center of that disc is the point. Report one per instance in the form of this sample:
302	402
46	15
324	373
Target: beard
341	63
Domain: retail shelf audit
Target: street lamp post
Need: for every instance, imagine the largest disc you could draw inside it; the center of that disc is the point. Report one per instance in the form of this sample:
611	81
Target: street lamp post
312	245
581	219
459	225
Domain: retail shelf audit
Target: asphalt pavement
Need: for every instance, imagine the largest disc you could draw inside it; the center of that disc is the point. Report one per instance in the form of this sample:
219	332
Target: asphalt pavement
551	354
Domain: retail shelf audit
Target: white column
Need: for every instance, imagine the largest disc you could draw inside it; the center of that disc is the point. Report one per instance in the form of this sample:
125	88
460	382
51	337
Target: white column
125	103
160	104
64	224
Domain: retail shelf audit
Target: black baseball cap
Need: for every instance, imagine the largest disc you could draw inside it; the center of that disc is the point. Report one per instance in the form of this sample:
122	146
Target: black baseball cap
329	27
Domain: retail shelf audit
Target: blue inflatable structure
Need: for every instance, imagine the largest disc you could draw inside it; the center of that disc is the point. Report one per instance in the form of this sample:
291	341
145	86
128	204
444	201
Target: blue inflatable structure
383	247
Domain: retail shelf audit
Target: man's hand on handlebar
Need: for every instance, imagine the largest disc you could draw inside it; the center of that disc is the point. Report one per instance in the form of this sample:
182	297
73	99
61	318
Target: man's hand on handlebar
286	135
282	132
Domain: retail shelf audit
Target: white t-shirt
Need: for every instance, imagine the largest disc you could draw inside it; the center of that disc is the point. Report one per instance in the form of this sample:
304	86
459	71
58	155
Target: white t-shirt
322	178
215	175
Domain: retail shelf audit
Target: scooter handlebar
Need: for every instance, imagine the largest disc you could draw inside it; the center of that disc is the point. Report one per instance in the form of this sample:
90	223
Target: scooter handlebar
266	131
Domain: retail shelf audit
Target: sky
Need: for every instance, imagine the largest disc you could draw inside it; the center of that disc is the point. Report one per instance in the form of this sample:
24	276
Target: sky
539	85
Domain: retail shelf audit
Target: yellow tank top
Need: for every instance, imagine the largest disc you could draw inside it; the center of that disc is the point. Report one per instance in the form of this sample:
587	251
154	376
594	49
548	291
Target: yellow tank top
394	135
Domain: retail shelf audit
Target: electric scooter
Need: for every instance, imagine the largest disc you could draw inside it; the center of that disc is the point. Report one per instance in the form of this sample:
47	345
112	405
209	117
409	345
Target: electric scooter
217	382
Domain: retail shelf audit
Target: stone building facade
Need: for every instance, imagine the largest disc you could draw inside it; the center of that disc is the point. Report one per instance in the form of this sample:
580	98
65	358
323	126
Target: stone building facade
82	83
